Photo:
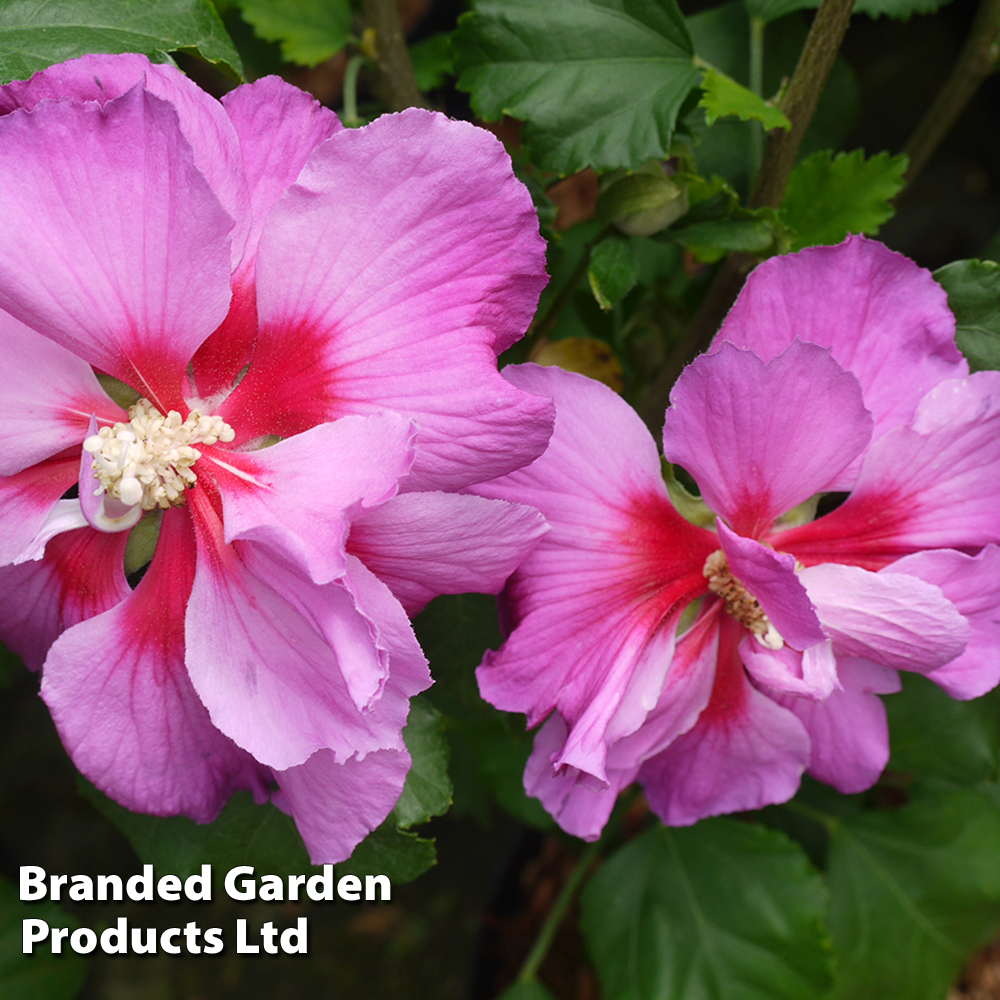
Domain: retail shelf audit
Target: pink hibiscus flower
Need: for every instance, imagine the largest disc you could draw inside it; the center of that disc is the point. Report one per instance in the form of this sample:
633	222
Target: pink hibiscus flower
261	345
835	372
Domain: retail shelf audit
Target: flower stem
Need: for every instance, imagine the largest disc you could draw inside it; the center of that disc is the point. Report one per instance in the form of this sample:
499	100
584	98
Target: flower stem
543	942
976	61
350	118
757	26
396	83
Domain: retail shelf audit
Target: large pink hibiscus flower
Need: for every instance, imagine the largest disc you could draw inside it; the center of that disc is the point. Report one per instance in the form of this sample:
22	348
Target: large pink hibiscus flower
835	373
261	346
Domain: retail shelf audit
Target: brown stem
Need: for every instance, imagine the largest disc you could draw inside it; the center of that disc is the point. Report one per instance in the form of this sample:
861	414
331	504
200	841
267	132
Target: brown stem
976	61
799	105
396	85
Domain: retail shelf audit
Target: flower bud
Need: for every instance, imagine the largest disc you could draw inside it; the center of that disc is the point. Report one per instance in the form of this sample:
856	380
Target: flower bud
643	202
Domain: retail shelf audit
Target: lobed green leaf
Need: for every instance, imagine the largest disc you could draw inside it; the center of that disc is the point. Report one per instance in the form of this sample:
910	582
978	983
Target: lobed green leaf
36	35
723	97
309	30
597	82
722	910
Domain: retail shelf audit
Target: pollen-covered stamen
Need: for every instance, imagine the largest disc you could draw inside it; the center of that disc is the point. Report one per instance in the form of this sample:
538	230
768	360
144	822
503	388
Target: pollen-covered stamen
148	460
740	603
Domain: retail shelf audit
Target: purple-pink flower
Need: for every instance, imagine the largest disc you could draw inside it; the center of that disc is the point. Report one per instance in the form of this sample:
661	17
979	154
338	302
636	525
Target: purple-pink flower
716	666
263	348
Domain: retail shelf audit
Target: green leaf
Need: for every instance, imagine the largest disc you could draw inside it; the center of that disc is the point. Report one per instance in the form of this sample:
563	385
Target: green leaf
724	97
309	30
244	834
722	910
427	791
433	61
393	852
830	196
973	288
771	10
41	975
35	35
613	270
912	893
754	235
962	745
597	82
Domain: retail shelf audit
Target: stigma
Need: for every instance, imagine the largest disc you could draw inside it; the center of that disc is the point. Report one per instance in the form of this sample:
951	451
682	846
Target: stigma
740	603
148	461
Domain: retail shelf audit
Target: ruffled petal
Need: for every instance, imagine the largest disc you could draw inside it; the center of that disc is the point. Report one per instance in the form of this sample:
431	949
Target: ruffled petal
972	584
28	498
202	120
335	806
894	619
760	438
885	319
266	672
849	732
770	576
426	544
391	275
115	245
597	601
745	751
80	575
300	494
579	808
812	673
932	485
123	704
48	397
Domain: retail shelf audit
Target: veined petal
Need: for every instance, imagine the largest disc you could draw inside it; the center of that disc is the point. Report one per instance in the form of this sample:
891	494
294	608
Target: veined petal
972	584
885	320
744	752
48	397
426	544
125	708
335	806
115	245
579	808
27	498
760	438
391	275
894	619
770	576
848	732
80	575
270	680
301	494
597	601
202	120
812	673
929	486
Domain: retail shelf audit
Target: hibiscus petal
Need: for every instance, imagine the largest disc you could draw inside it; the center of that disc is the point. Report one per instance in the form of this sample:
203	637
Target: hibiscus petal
885	319
932	485
300	495
48	397
115	245
848	731
28	498
123	704
270	680
202	120
335	806
79	576
390	276
579	808
426	544
745	751
762	438
972	584
101	510
893	619
812	673
770	576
